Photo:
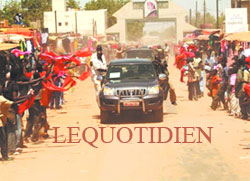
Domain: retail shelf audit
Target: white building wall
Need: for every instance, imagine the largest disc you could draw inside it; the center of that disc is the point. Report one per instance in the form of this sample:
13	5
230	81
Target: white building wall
85	21
66	21
49	21
128	12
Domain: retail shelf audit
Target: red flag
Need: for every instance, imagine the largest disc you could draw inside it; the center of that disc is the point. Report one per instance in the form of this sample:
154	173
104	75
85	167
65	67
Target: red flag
180	61
75	60
52	87
247	89
46	57
68	81
85	75
26	105
84	52
28	74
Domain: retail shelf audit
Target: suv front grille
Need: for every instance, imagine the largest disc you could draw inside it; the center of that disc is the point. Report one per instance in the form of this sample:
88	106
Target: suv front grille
131	92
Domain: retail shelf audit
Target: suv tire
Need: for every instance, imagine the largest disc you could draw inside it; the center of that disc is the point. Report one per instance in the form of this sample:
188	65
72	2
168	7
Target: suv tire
104	116
158	114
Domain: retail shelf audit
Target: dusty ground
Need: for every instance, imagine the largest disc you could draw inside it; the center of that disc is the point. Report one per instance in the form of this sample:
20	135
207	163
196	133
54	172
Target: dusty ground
226	158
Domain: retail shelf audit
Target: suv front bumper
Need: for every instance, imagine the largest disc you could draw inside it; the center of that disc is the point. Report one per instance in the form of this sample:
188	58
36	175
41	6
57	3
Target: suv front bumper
116	103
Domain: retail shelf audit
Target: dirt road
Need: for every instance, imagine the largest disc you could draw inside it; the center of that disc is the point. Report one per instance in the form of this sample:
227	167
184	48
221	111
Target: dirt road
226	158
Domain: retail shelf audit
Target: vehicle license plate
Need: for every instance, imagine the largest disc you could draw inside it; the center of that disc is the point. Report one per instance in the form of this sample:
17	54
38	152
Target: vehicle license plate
131	104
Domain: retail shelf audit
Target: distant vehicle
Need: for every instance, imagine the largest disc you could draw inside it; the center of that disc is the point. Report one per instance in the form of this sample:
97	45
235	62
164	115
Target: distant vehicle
144	53
131	84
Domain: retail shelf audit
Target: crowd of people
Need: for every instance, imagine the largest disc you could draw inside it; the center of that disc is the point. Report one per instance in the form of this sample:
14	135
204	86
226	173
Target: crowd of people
31	82
224	70
20	85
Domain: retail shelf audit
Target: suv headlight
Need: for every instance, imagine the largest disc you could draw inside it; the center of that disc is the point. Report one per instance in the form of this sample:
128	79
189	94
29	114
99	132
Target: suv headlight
107	91
154	90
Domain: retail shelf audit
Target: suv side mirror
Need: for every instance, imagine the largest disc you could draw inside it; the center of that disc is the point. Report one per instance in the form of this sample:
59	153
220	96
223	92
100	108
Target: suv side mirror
99	78
162	77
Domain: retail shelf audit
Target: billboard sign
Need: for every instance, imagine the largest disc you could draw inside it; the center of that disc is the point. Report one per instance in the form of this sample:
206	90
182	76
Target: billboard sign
236	20
150	9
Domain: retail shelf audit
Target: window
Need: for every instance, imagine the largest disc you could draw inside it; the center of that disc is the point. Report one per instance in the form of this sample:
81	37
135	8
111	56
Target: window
162	5
59	24
66	23
128	72
138	5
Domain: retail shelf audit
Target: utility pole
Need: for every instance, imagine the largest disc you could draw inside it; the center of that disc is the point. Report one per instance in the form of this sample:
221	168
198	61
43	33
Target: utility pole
196	14
217	14
248	10
0	9
204	20
239	4
190	16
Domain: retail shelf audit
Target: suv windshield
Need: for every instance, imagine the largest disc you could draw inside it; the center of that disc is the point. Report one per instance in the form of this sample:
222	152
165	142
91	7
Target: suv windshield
130	72
140	54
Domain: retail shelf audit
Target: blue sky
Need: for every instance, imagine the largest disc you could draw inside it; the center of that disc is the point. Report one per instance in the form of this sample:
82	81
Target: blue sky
190	4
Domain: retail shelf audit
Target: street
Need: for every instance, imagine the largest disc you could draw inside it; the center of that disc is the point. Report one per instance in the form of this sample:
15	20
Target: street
227	157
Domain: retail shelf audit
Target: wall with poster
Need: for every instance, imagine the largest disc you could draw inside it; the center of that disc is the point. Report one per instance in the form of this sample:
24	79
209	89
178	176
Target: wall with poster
161	14
150	9
236	20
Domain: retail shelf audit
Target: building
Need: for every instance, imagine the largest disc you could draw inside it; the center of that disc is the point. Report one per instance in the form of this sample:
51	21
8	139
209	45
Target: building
242	4
150	11
90	22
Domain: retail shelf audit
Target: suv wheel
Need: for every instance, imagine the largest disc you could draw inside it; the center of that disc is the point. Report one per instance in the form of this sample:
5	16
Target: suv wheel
104	116
158	114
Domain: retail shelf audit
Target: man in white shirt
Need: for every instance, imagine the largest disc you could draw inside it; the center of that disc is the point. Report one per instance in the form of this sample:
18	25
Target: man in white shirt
246	52
44	41
98	62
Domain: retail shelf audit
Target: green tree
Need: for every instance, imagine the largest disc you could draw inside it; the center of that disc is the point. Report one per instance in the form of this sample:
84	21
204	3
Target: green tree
10	9
135	30
210	19
221	20
35	9
111	5
73	4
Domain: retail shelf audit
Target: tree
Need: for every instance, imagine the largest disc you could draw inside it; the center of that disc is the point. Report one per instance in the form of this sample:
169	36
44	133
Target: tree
10	9
210	19
35	9
135	30
222	18
111	5
73	4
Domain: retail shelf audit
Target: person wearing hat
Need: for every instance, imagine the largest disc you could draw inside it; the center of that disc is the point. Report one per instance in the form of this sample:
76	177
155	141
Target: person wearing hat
98	63
98	60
